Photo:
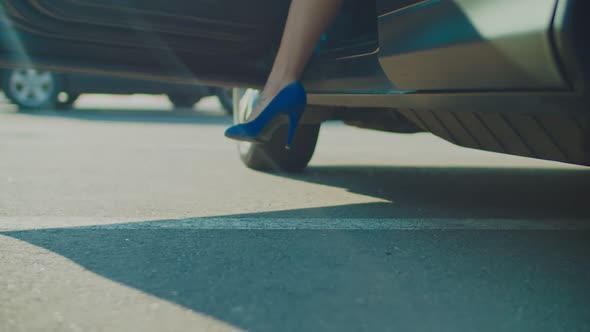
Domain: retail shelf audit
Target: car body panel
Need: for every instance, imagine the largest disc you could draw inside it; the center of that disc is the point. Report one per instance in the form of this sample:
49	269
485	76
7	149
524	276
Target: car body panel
557	52
470	45
132	38
81	83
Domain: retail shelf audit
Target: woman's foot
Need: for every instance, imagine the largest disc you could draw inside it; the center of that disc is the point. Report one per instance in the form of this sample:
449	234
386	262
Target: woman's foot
287	104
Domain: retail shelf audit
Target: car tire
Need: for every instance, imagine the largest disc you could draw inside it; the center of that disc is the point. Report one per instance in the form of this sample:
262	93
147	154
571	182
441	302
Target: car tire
183	102
225	96
273	156
31	88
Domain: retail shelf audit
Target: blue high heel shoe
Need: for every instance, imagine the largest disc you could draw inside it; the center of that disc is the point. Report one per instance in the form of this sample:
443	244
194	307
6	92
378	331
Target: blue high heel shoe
287	106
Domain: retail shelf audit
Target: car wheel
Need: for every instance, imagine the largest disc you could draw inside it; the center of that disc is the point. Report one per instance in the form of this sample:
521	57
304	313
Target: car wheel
31	88
183	102
273	156
226	99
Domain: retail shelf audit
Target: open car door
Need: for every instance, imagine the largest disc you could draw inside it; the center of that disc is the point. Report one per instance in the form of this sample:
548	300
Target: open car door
200	41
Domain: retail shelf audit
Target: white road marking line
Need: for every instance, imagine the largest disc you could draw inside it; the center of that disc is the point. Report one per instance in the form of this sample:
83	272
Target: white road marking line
363	224
237	223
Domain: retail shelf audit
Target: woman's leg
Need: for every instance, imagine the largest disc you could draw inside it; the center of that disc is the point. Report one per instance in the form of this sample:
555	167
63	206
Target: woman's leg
306	22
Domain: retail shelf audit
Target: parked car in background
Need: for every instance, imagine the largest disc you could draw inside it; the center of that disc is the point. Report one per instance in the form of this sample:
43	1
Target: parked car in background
36	89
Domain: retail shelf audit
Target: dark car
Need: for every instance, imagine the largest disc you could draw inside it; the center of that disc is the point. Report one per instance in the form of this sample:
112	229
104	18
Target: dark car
509	76
30	88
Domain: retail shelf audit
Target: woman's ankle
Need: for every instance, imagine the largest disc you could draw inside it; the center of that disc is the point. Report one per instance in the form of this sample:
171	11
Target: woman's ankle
275	84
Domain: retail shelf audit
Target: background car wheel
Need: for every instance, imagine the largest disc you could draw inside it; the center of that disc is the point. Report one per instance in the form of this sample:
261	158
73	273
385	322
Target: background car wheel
31	88
225	96
183	102
273	156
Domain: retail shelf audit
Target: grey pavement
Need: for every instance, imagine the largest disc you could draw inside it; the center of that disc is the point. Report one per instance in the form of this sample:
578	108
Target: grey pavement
138	219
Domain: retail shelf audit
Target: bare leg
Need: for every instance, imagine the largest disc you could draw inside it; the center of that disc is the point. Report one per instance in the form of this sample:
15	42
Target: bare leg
307	21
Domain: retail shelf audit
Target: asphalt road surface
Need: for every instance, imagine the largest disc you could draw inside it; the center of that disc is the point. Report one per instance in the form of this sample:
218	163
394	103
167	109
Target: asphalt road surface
139	219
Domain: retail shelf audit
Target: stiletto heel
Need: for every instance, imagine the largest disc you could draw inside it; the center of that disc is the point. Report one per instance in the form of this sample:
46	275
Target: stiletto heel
294	117
290	102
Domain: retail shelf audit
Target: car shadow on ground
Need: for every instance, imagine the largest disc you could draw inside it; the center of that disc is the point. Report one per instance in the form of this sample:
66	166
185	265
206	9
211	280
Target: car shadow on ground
365	279
125	115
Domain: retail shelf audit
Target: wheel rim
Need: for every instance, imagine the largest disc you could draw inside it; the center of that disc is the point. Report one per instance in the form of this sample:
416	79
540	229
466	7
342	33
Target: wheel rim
31	87
245	106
